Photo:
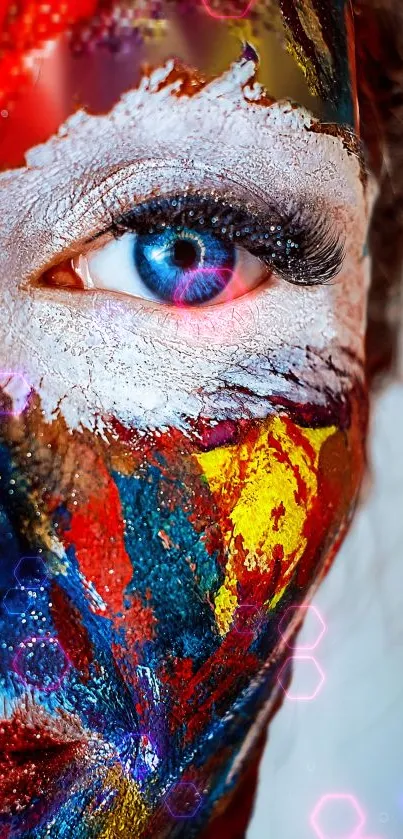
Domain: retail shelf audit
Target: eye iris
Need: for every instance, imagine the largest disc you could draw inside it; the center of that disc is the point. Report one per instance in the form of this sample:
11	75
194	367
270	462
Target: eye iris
184	266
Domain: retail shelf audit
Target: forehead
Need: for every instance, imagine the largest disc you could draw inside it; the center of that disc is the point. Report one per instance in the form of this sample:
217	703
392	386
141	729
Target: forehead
57	57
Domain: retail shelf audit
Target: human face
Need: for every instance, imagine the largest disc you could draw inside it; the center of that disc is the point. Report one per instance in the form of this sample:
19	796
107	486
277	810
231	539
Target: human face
183	423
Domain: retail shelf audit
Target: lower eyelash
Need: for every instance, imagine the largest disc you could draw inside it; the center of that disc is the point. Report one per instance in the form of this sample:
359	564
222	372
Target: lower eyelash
299	248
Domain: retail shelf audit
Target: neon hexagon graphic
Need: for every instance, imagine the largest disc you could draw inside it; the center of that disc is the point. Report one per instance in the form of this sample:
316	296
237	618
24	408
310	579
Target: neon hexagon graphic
31	572
314	623
17	601
338	803
314	675
213	7
40	662
183	800
248	619
15	386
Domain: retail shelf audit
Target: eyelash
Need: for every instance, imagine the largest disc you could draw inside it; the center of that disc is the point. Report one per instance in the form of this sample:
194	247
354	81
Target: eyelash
301	249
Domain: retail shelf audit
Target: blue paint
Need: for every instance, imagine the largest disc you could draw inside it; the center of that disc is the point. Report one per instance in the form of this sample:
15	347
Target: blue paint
185	620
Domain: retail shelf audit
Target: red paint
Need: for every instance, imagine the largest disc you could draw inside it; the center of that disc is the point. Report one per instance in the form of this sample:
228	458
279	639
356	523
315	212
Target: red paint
96	531
34	751
301	493
210	689
277	513
224	433
72	635
278	552
97	534
299	439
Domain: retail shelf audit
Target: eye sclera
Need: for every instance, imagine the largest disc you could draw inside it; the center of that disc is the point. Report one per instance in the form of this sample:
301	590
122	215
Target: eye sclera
297	242
79	264
111	268
298	245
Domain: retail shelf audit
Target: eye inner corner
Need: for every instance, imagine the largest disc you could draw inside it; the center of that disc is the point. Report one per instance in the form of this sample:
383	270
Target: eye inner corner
62	275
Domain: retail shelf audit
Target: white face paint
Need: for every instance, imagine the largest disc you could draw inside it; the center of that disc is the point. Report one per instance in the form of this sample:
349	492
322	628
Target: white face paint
94	353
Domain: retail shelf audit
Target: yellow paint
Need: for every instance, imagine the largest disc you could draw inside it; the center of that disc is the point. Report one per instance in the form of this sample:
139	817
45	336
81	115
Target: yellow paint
226	602
313	28
129	814
310	22
248	482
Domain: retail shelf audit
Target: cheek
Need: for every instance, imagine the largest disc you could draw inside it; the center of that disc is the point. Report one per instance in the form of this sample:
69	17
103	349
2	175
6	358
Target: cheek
172	562
207	543
281	496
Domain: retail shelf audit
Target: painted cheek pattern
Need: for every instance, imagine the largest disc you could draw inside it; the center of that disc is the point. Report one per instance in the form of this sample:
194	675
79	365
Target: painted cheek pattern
160	568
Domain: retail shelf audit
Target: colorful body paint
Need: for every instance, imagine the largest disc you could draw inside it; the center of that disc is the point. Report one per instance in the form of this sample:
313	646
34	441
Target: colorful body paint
167	609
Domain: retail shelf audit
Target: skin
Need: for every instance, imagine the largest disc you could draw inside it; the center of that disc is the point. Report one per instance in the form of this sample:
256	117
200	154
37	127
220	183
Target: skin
181	476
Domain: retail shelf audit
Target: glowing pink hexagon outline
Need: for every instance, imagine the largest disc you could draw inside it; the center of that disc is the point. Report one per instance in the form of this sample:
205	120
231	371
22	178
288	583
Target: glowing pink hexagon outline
319	669
185	815
256	624
338	796
304	647
212	14
16	661
14	374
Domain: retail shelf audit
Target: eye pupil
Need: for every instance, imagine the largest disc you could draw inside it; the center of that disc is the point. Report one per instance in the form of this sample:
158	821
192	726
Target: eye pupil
185	254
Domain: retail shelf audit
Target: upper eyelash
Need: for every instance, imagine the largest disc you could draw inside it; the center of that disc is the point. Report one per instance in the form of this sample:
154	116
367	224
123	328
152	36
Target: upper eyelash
300	248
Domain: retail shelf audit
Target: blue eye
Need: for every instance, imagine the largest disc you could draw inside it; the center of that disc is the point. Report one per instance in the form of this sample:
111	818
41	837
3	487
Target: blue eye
184	266
175	265
197	250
